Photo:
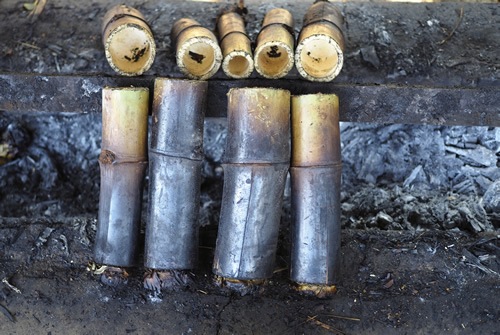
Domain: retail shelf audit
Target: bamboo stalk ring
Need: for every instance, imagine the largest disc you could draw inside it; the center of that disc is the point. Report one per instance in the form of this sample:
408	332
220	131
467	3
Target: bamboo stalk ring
320	47
236	48
128	41
274	54
198	54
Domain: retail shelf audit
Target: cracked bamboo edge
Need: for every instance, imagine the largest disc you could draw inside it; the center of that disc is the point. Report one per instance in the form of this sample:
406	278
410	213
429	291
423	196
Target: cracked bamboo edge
128	41
320	47
315	130
236	48
198	54
274	54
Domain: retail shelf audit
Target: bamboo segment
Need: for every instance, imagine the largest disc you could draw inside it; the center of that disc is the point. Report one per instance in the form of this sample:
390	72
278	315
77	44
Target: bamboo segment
255	167
236	47
273	55
123	161
128	41
176	155
315	176
198	54
320	48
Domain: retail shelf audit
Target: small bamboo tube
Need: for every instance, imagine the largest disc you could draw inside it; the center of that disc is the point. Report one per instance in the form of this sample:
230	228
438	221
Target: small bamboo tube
236	48
315	176
123	161
273	56
198	54
320	47
175	155
128	41
256	162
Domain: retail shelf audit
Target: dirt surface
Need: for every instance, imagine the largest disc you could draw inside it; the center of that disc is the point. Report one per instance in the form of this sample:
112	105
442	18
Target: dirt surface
420	205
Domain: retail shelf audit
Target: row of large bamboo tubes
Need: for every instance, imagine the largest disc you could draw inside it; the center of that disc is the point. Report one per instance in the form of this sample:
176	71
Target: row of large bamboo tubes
318	55
258	156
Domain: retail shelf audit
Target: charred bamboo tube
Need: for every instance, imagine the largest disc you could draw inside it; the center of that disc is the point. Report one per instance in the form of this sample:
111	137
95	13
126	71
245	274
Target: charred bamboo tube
320	47
198	54
236	48
315	175
273	56
128	41
255	166
176	155
123	161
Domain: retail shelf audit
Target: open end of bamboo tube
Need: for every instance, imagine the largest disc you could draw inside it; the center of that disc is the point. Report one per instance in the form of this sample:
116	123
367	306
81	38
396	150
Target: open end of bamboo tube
238	65
273	60
130	49
319	58
200	57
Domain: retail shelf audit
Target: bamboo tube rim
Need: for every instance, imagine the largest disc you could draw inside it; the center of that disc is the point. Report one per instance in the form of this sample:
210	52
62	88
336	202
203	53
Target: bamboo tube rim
238	64
268	61
188	57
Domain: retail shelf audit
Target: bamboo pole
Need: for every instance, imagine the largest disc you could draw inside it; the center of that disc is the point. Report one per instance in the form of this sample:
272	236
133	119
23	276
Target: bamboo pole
176	155
274	55
320	47
256	162
128	41
198	54
315	175
236	48
123	161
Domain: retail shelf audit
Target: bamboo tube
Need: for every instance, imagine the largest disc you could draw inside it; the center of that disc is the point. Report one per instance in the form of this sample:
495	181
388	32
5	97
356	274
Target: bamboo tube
320	47
198	54
236	48
128	41
255	166
273	55
315	175
123	161
176	155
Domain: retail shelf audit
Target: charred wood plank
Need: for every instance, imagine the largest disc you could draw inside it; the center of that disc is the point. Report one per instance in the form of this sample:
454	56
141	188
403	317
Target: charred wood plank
27	93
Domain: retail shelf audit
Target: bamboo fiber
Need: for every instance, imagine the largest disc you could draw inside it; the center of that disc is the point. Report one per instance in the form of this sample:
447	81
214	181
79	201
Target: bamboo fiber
274	55
198	54
123	161
256	160
176	155
320	47
236	48
315	176
128	41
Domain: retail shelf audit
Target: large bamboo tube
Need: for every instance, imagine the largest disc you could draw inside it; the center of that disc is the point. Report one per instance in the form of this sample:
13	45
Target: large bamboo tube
255	166
128	41
175	155
236	47
320	47
123	161
315	175
198	54
273	56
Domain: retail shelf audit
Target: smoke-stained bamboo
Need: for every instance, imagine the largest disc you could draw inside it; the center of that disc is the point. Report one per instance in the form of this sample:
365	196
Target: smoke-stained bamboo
320	47
273	56
123	161
256	164
315	175
198	54
128	41
236	48
175	156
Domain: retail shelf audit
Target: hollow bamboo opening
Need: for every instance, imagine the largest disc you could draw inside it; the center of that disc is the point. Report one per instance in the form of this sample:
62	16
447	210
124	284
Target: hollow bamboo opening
238	64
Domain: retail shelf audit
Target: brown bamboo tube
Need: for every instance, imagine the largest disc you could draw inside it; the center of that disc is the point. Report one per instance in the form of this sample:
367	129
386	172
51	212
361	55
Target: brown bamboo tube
198	54
123	161
315	177
273	56
128	41
320	47
236	48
